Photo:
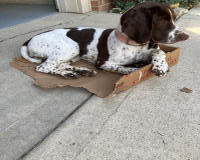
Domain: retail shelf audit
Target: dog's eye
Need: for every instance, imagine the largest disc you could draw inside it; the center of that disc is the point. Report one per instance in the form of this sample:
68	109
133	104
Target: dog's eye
167	18
125	24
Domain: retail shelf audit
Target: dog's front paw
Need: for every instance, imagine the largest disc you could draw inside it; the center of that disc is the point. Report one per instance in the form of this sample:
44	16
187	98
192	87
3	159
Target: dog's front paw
160	70
71	75
160	66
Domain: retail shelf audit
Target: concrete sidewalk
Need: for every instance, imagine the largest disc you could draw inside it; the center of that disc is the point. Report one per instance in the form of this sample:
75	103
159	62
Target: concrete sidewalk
23	13
152	121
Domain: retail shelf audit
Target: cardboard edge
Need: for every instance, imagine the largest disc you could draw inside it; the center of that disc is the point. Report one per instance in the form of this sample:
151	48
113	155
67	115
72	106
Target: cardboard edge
37	82
145	72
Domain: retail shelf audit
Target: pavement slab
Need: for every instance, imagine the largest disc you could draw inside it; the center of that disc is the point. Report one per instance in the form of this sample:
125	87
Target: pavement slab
23	13
152	121
69	140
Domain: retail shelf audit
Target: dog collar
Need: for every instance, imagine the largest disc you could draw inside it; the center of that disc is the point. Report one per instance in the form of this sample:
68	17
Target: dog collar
124	38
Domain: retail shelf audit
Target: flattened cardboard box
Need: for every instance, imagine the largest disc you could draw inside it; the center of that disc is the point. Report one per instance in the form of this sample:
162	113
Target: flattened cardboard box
104	84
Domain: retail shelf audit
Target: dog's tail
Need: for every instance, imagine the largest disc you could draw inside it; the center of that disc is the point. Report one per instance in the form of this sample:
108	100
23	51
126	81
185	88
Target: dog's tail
24	53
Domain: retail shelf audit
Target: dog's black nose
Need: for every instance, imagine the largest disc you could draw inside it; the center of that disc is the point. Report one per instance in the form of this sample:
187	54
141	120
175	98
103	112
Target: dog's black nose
181	36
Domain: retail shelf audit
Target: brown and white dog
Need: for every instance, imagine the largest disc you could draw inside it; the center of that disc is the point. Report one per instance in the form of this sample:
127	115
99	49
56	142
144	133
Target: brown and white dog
134	40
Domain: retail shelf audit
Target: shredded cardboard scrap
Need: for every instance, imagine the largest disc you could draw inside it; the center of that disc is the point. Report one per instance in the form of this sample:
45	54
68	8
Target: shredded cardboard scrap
104	84
186	90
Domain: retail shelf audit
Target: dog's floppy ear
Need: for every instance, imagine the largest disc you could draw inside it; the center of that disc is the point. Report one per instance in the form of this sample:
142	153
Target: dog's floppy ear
136	23
163	18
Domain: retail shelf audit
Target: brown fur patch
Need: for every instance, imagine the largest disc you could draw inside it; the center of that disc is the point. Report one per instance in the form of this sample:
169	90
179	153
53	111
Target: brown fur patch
82	37
153	45
102	47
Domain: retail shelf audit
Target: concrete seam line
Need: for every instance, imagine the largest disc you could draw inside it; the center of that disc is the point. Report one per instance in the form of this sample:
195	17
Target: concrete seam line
53	129
101	128
30	32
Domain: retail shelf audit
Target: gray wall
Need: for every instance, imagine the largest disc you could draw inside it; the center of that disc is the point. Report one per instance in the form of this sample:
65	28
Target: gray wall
26	1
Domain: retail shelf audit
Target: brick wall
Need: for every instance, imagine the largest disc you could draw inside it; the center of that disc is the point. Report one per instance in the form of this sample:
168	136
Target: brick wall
101	5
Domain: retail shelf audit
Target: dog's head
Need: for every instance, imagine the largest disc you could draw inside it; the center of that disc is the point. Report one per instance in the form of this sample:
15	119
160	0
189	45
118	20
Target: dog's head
151	21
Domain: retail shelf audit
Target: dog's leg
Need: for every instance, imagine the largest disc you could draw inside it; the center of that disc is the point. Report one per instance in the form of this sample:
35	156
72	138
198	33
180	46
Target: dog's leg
160	66
64	69
117	68
83	71
52	67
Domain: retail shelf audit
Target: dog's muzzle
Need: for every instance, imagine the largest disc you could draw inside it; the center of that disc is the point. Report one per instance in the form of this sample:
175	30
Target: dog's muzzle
178	36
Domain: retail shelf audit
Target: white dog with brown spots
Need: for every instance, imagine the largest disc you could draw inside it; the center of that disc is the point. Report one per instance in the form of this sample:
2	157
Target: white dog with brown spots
135	40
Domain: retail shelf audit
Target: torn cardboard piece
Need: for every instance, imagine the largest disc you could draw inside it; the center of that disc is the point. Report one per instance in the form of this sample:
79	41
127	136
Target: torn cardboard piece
186	90
104	84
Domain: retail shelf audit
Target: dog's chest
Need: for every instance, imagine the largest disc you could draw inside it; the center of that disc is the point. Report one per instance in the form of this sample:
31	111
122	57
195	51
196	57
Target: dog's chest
122	54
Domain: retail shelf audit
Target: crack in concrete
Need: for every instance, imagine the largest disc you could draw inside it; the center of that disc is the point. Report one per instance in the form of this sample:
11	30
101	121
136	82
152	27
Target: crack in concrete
29	32
161	135
101	128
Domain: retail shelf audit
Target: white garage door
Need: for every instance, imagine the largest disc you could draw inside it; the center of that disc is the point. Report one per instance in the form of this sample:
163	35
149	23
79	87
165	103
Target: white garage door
78	6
